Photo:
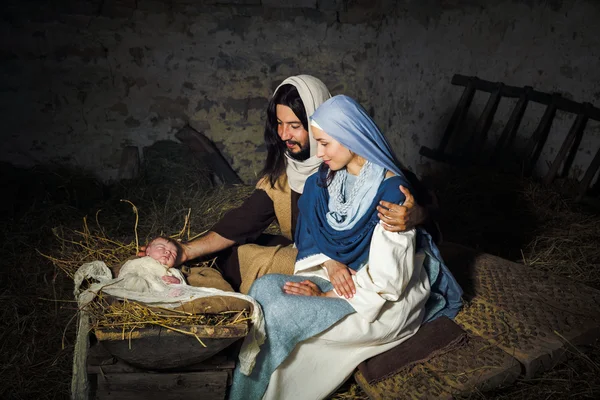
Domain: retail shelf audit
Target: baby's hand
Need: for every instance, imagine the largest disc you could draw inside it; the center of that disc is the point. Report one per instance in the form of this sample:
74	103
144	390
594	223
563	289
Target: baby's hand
170	279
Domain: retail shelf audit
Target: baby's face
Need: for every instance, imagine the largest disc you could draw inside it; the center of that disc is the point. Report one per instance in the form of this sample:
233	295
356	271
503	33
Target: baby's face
162	251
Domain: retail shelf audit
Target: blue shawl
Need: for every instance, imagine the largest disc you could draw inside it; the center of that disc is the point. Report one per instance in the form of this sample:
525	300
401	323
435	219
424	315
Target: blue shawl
351	247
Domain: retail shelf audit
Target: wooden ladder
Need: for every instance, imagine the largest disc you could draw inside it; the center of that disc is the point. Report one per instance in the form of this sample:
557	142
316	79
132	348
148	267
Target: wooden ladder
471	152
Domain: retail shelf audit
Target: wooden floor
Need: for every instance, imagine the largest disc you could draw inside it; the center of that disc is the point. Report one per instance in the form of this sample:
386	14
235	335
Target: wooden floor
520	322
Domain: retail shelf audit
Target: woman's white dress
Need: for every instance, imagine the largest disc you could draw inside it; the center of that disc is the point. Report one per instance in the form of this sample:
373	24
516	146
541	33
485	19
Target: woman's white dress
391	292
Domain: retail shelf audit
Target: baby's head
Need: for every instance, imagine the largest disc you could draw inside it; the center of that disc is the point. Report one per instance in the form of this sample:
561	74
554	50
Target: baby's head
164	250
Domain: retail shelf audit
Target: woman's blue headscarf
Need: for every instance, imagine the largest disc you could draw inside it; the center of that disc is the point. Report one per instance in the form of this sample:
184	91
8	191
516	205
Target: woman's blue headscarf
342	118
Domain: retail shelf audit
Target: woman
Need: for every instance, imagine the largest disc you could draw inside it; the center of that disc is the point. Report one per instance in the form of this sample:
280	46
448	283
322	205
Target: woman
358	289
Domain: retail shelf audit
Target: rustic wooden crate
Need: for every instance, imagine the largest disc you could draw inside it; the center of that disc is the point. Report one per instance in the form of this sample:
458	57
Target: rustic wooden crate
111	378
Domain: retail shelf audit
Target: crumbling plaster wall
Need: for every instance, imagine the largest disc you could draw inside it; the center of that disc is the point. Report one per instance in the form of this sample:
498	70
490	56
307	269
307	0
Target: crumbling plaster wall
82	79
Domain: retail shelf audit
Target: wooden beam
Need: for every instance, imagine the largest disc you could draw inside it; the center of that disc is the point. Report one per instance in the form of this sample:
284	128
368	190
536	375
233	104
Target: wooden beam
206	385
207	152
562	103
479	136
588	177
512	126
539	137
570	142
456	121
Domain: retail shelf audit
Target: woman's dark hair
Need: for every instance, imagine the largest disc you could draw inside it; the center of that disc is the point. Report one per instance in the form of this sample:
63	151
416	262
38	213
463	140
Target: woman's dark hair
286	95
325	175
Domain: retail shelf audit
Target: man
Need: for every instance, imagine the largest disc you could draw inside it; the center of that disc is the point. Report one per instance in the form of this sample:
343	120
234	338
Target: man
245	253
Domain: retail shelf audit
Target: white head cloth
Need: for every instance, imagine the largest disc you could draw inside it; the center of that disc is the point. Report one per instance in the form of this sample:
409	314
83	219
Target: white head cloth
313	93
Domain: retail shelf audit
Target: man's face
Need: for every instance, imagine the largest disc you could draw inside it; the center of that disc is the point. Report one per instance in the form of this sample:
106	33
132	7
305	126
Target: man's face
162	251
291	131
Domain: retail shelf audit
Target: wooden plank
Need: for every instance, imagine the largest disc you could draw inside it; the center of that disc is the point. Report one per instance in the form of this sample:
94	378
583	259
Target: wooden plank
456	121
217	362
509	132
158	348
571	157
479	135
206	151
562	104
208	385
588	177
538	139
570	141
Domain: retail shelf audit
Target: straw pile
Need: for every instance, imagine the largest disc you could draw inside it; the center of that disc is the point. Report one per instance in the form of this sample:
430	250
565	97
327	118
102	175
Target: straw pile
128	316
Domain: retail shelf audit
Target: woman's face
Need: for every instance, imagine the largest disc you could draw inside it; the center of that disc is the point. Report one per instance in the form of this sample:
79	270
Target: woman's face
291	131
334	154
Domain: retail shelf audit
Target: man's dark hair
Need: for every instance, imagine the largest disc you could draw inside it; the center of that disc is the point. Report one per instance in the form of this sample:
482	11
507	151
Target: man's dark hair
286	95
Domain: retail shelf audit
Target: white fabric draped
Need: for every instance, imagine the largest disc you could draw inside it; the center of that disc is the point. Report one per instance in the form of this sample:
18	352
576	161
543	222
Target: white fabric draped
391	292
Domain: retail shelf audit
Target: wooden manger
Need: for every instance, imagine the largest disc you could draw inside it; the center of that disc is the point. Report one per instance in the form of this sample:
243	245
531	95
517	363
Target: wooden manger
141	352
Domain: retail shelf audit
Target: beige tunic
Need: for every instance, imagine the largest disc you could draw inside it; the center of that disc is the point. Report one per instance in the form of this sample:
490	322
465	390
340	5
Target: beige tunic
256	261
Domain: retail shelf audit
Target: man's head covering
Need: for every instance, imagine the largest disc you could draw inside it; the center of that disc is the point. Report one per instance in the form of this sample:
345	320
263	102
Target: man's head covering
342	118
313	93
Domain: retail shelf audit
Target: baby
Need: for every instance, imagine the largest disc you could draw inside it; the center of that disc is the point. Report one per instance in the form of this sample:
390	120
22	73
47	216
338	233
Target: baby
152	272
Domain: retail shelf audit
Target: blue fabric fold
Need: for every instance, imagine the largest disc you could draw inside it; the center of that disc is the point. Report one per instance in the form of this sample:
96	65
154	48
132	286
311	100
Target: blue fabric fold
314	235
289	319
445	298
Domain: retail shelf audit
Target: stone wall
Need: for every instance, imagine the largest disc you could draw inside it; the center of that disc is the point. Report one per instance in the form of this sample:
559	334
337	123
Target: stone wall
83	79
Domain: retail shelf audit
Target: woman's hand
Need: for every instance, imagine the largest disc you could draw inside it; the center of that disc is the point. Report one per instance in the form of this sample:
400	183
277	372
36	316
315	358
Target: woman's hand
304	288
402	218
341	278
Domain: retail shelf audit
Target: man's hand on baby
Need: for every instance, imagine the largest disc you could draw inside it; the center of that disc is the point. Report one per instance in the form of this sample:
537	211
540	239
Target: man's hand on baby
400	218
341	278
170	279
142	251
183	254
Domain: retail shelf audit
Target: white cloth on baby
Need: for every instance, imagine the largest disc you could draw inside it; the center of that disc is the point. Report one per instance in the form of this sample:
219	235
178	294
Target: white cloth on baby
145	274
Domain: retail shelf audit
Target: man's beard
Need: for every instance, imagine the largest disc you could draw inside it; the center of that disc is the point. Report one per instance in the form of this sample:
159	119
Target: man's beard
302	155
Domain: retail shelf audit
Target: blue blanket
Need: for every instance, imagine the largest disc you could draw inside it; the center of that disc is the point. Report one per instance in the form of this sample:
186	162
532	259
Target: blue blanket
289	319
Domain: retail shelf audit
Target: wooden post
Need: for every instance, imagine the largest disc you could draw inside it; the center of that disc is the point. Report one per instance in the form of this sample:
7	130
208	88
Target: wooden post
571	157
539	137
570	142
509	132
589	175
456	121
479	136
206	151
